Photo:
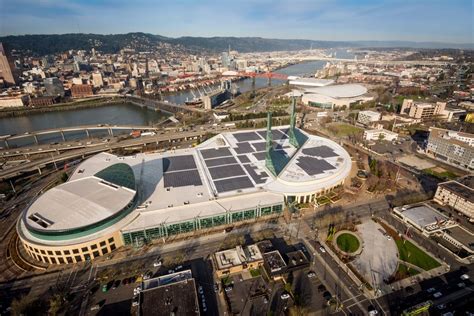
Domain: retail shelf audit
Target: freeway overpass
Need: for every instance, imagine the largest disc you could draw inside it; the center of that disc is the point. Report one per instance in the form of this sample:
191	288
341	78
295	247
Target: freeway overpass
89	150
85	128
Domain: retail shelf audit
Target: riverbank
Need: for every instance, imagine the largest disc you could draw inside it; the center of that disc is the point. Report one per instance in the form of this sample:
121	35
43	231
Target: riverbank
75	105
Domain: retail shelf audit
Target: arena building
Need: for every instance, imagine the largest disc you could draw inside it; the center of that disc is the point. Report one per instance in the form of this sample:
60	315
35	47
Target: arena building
335	96
234	177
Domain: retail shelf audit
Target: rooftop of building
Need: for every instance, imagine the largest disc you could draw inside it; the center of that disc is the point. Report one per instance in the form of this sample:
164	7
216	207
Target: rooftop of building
177	298
463	187
83	201
462	235
339	91
236	256
310	82
226	173
274	261
422	215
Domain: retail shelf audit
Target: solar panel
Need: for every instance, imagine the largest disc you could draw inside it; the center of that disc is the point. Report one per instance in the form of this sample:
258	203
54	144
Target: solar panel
276	134
220	161
243	148
226	171
178	163
320	151
214	153
182	178
244	137
243	158
257	178
259	146
313	166
233	184
260	155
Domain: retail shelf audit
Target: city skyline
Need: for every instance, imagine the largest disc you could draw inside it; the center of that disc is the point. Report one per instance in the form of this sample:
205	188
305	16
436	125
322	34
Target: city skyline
423	21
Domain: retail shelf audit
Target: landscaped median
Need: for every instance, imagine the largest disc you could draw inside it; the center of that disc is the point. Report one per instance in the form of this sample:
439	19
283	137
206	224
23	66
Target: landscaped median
347	242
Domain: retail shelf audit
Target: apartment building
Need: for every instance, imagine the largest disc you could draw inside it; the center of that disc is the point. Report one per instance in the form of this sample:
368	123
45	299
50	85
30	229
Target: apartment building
422	110
451	147
458	194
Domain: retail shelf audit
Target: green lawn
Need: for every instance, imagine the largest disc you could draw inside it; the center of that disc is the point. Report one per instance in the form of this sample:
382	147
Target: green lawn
410	253
347	242
403	271
445	175
343	129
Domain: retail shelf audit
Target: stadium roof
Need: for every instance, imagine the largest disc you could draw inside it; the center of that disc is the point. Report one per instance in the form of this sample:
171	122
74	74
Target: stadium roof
83	202
339	91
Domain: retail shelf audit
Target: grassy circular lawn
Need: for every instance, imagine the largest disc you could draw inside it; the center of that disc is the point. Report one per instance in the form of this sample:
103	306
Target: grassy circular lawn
347	242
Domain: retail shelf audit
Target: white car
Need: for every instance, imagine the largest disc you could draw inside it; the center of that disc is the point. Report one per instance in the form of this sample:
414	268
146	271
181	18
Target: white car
157	264
322	249
464	277
200	290
437	294
285	296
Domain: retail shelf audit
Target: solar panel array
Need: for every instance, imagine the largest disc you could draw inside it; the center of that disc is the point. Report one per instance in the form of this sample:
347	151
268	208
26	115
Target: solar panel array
259	146
226	185
243	158
243	148
214	153
260	155
226	171
220	161
178	163
276	134
320	151
257	178
247	136
313	166
182	178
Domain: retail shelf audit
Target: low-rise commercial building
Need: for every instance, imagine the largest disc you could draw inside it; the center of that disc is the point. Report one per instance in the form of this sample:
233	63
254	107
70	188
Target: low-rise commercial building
11	102
451	147
172	294
453	115
236	260
367	117
379	134
81	91
458	194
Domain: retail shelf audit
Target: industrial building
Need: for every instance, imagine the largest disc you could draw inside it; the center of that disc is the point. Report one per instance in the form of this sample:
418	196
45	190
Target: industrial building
234	177
451	147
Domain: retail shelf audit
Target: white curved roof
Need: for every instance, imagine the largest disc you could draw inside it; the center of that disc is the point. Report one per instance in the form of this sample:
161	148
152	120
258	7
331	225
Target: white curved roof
339	91
77	203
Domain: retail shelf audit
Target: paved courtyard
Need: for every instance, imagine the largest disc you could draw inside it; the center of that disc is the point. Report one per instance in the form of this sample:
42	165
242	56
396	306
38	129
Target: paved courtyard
379	256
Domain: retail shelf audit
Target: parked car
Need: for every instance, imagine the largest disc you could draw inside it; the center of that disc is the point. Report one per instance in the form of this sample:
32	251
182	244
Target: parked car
311	274
437	294
327	295
285	296
157	264
200	290
322	249
228	288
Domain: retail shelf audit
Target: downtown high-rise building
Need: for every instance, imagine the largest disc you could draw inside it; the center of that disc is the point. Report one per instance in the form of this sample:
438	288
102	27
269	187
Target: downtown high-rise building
6	68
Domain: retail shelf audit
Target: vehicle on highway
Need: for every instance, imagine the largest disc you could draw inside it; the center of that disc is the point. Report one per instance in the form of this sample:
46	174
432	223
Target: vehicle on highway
285	296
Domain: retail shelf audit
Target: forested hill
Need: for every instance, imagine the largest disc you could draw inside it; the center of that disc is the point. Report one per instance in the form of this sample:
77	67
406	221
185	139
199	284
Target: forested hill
50	44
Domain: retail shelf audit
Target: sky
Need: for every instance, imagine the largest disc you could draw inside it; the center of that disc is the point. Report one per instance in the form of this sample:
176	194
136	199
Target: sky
409	20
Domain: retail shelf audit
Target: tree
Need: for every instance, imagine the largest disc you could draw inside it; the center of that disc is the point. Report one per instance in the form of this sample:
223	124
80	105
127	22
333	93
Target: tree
381	136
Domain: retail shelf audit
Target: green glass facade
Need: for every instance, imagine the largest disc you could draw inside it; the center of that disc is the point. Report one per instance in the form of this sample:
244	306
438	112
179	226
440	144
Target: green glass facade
199	223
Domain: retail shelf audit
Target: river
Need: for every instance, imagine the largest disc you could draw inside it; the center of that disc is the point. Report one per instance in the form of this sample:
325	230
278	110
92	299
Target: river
127	113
